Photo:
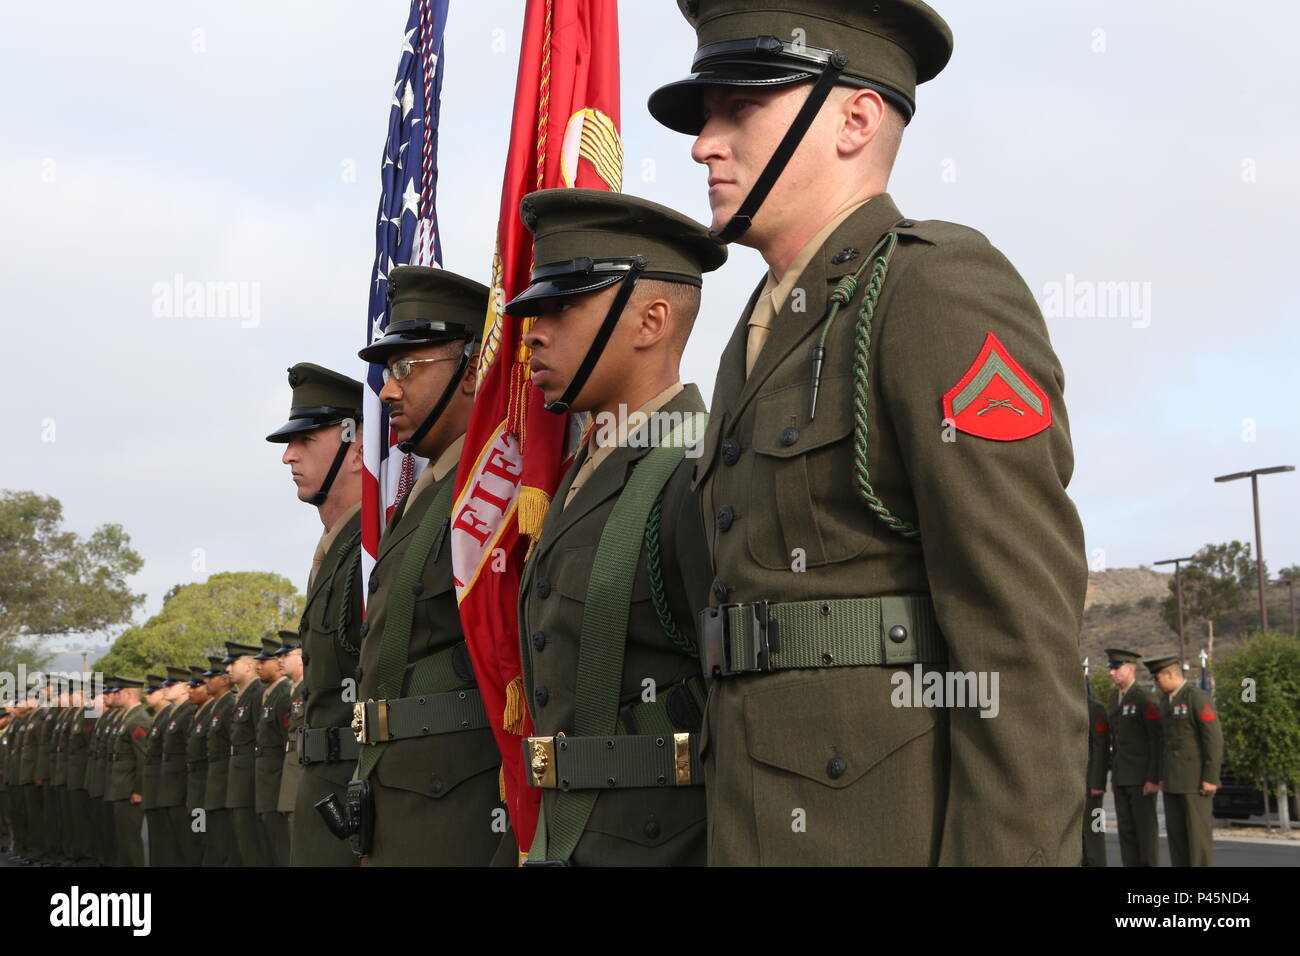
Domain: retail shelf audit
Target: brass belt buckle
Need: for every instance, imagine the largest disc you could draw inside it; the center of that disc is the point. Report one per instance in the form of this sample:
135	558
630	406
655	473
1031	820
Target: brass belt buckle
540	753
682	759
359	721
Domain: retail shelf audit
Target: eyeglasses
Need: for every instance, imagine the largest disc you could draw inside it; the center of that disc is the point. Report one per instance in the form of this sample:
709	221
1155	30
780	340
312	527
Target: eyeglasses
401	369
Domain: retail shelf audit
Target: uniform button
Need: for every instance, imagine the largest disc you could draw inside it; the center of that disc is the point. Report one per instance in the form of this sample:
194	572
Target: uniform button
364	629
726	515
652	829
539	640
435	785
835	767
417	588
720	591
730	451
898	634
374	584
845	255
541	695
789	436
905	224
543	588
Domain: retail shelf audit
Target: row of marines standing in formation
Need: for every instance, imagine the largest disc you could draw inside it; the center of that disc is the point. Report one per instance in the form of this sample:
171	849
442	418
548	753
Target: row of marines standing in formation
710	643
201	758
1166	743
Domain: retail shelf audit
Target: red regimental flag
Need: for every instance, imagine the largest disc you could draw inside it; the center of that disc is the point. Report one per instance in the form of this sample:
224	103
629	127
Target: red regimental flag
564	132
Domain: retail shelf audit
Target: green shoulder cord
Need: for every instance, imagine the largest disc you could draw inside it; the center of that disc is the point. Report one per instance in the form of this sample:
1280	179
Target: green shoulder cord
352	555
840	296
655	572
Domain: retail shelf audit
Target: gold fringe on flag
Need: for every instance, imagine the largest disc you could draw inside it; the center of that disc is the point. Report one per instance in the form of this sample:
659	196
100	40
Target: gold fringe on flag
533	503
513	719
501	782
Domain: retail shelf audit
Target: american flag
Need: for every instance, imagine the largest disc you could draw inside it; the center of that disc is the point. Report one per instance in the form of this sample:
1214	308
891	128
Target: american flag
406	233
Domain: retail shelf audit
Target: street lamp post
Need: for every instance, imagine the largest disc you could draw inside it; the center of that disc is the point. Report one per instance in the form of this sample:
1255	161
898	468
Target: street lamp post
1259	545
1178	589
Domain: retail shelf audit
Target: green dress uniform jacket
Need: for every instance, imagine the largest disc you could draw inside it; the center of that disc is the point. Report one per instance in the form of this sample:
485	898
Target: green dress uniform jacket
331	647
661	826
1193	738
1094	837
272	730
434	796
219	723
1134	719
31	734
240	785
196	758
127	755
80	732
175	738
153	756
816	765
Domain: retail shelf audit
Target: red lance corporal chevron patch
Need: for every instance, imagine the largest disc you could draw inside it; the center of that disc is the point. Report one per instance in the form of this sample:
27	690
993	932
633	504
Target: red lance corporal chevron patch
996	398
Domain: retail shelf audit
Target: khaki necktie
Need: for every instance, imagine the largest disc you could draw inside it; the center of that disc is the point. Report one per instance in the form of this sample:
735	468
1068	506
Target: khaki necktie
760	326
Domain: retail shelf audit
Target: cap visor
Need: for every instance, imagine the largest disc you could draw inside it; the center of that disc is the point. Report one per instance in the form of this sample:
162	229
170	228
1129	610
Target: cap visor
529	302
680	105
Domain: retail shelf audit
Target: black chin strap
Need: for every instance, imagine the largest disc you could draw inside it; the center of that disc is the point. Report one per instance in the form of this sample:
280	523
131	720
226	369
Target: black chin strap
744	216
318	499
431	419
561	404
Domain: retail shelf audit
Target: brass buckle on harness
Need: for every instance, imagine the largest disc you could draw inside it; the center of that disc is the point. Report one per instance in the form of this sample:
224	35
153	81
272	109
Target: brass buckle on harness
361	722
540	754
762	634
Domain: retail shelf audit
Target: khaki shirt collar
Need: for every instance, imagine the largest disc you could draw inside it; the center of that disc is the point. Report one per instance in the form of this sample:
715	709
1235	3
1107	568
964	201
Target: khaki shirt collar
438	470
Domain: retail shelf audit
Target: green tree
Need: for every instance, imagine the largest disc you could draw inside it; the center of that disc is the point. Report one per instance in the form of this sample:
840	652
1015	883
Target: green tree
1259	704
53	581
197	619
1216	583
1290	574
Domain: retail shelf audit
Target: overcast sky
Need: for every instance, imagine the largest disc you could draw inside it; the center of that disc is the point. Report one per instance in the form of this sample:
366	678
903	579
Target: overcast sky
1155	145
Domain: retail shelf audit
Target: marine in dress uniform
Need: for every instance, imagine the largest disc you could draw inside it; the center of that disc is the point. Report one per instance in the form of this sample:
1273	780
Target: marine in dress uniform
291	773
427	756
241	781
56	799
610	593
193	833
220	847
884	476
323	449
1134	718
78	839
271	734
1191	760
1094	833
169	799
98	765
123	791
161	851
